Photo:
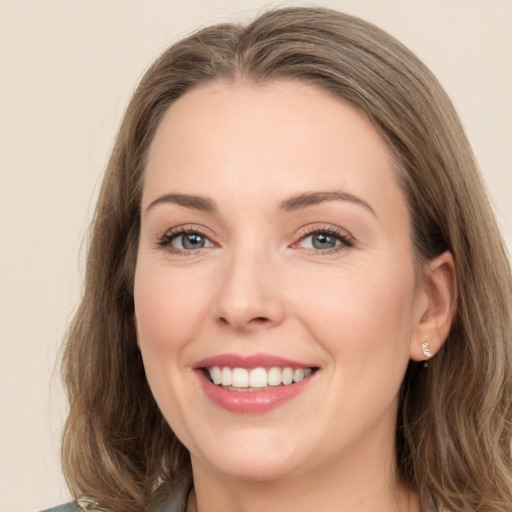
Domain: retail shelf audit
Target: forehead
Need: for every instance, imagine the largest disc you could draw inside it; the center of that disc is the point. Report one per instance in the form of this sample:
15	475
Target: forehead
276	139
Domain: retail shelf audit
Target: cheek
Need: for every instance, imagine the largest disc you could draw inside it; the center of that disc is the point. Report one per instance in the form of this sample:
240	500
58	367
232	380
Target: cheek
167	316
168	309
363	310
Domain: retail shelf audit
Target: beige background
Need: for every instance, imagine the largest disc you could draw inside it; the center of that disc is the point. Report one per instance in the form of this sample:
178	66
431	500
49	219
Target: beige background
67	70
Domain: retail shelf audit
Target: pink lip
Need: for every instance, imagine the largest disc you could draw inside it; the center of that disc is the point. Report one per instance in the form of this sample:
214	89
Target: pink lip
249	361
250	402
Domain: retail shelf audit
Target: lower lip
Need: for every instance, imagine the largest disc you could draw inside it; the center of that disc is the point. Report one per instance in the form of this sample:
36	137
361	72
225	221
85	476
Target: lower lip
251	402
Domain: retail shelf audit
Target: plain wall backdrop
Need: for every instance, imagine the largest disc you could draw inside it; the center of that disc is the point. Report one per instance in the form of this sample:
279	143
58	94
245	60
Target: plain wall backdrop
67	70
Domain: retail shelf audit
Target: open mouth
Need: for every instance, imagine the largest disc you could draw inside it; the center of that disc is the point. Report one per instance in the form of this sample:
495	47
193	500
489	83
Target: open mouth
256	379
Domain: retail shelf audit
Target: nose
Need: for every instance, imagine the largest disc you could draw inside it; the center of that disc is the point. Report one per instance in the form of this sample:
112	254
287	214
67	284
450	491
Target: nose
250	295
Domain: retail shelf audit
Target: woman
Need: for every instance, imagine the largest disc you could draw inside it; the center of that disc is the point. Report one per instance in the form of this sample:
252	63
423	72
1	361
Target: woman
290	227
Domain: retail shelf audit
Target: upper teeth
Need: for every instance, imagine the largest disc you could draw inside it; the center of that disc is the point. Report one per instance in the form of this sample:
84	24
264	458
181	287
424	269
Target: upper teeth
257	377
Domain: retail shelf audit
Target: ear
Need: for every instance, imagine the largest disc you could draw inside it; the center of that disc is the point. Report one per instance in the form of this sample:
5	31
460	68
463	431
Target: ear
436	303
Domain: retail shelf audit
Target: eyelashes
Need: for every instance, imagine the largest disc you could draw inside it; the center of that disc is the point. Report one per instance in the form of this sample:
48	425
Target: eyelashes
186	241
325	240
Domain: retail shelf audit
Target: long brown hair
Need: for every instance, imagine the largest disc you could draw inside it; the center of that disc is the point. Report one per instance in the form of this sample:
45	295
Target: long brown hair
454	428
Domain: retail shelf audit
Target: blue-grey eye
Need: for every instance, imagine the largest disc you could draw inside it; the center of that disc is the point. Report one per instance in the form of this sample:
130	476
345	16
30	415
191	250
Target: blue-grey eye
323	241
189	241
320	241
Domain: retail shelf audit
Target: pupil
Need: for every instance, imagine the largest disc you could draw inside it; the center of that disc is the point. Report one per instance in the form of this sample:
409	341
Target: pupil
193	241
323	241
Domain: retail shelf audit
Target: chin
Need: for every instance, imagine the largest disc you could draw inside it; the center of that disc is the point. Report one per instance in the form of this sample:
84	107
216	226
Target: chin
256	461
262	470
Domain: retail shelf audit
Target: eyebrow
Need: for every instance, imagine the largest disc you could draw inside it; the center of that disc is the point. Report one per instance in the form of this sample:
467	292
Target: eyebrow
306	199
188	201
293	203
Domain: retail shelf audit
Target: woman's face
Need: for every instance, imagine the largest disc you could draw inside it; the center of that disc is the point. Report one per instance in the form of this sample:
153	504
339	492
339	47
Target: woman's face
275	253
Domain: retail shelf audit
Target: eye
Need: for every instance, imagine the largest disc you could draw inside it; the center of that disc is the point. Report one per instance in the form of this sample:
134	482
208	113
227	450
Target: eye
189	241
185	241
320	241
324	240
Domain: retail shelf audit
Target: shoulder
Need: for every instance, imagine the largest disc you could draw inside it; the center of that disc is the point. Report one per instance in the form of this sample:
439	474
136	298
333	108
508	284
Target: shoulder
71	507
68	507
173	506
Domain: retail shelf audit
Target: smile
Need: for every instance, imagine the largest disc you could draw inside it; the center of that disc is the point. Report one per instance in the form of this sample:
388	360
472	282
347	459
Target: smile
237	379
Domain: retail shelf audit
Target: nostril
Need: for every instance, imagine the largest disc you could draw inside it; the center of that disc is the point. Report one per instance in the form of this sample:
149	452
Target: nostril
258	321
255	319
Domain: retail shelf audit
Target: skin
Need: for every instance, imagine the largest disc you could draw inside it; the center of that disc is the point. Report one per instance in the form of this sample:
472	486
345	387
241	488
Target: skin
358	311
